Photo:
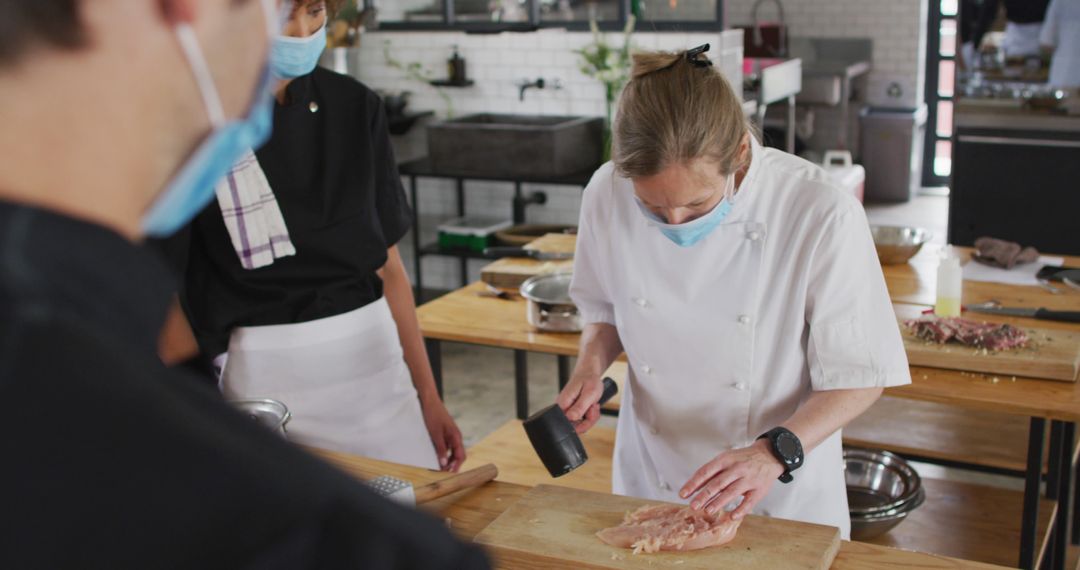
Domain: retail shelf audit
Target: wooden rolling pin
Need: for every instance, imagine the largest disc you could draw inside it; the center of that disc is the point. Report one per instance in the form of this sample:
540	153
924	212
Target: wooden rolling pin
455	483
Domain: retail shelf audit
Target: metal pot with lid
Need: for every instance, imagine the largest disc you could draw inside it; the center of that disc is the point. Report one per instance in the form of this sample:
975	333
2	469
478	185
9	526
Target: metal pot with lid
550	307
270	413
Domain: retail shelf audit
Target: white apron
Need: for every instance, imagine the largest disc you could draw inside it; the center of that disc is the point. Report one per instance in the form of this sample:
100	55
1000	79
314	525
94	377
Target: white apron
717	334
344	379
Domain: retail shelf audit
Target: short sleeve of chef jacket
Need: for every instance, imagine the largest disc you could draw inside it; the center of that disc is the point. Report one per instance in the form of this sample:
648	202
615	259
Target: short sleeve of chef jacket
587	288
854	339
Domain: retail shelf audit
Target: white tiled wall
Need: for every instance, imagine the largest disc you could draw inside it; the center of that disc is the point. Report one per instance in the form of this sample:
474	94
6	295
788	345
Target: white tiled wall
497	63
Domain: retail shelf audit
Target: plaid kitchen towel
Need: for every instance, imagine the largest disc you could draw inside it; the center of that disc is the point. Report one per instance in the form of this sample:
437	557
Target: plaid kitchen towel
252	215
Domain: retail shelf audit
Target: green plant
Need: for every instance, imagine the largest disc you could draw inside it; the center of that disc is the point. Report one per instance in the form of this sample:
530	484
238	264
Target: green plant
417	72
610	65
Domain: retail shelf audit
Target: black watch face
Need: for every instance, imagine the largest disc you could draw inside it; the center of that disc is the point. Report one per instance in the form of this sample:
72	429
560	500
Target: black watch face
787	446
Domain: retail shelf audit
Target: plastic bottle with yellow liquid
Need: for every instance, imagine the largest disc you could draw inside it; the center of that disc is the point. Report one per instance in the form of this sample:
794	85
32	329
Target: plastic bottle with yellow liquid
950	284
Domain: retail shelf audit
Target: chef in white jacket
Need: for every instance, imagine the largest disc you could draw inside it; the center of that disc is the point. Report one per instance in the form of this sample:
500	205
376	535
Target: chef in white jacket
745	290
1061	35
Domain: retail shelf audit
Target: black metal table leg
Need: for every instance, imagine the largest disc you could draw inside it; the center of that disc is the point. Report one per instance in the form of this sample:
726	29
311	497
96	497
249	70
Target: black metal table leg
519	205
521	383
1030	521
463	261
1053	457
1076	502
434	351
564	371
419	280
1061	525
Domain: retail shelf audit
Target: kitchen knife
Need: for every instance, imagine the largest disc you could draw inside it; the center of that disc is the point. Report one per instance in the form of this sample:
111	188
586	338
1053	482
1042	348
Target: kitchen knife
501	252
1040	313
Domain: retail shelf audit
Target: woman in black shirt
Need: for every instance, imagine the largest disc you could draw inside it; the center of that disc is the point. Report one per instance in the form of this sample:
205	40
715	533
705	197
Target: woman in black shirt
331	330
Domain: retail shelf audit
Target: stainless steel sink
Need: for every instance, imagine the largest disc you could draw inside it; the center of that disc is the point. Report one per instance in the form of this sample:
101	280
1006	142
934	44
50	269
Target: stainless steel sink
829	65
515	146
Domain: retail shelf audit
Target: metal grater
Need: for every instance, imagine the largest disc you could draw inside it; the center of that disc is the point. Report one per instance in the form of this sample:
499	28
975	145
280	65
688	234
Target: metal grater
395	489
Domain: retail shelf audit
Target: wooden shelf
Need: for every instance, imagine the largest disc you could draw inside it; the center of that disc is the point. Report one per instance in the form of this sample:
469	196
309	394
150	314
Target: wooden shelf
961	520
943	433
972	522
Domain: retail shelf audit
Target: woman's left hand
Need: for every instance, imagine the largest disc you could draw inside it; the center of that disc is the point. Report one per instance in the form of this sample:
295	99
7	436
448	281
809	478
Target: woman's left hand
749	472
444	434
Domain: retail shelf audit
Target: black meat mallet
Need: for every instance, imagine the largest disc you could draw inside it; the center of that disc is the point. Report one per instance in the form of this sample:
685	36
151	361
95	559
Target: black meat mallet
553	437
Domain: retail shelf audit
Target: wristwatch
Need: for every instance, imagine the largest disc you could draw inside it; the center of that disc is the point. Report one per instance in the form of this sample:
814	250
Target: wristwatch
787	448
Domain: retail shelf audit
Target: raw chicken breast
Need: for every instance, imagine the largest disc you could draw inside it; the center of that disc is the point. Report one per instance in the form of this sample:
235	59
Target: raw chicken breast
670	527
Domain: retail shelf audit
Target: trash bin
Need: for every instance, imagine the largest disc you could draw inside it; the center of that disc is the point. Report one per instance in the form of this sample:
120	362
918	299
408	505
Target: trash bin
891	145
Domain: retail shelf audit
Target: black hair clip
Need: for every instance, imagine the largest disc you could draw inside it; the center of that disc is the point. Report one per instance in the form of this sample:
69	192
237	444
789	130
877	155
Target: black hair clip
692	56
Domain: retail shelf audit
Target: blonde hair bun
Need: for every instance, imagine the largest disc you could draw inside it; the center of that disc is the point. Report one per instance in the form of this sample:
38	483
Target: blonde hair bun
675	109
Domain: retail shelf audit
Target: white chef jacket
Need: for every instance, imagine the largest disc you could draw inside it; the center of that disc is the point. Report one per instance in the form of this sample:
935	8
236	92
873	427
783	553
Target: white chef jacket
727	337
1061	30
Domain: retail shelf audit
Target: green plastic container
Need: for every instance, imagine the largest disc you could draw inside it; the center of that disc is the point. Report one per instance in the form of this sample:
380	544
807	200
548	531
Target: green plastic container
473	234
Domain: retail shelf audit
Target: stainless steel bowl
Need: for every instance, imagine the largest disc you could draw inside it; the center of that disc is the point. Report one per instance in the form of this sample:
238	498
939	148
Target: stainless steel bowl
866	527
270	413
550	308
897	244
882	489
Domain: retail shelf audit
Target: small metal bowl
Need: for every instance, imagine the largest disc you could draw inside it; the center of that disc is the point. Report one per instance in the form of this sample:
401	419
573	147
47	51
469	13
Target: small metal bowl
882	489
898	244
270	413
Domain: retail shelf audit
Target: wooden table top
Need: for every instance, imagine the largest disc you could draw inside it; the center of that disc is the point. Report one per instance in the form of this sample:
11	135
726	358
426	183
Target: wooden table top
468	315
470	511
915	282
471	315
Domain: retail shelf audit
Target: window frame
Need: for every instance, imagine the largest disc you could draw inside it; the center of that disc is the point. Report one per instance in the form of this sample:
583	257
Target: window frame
449	23
933	96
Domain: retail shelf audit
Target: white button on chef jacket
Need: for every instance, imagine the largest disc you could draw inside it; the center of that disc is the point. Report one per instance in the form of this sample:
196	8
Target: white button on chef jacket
812	273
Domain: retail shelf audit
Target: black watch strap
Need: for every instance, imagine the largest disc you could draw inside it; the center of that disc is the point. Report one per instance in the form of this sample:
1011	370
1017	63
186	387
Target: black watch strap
787	448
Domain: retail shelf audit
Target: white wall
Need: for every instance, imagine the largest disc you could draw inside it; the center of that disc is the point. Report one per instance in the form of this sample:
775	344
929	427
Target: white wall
497	63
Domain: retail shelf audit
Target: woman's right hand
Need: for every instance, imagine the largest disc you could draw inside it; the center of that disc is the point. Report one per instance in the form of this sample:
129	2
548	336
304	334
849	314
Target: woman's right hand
580	400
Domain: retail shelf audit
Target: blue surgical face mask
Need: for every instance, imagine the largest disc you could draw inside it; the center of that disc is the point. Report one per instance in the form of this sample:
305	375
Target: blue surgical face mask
689	233
193	185
295	57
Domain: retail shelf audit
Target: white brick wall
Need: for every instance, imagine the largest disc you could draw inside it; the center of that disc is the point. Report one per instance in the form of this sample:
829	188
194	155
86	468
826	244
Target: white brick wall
497	63
897	27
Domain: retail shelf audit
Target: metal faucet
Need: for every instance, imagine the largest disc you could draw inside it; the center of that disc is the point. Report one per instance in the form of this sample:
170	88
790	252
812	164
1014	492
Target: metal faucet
757	38
524	85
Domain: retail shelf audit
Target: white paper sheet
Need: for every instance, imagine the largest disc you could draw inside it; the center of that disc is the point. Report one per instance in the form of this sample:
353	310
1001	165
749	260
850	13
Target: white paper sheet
1018	275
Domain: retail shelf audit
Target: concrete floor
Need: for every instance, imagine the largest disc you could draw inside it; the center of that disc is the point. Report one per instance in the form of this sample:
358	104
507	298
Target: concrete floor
479	381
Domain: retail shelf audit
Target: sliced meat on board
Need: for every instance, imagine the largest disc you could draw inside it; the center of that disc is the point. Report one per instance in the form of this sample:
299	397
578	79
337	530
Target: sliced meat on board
975	334
670	527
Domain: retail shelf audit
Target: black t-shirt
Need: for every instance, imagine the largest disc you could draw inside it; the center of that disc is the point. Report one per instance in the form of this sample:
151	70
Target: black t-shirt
332	170
112	461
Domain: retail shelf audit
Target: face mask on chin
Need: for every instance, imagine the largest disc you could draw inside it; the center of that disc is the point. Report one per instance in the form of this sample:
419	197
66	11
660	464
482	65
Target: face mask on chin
192	187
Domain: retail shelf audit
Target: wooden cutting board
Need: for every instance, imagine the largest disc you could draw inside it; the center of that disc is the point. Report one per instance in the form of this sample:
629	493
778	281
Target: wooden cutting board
511	272
1051	355
555	528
